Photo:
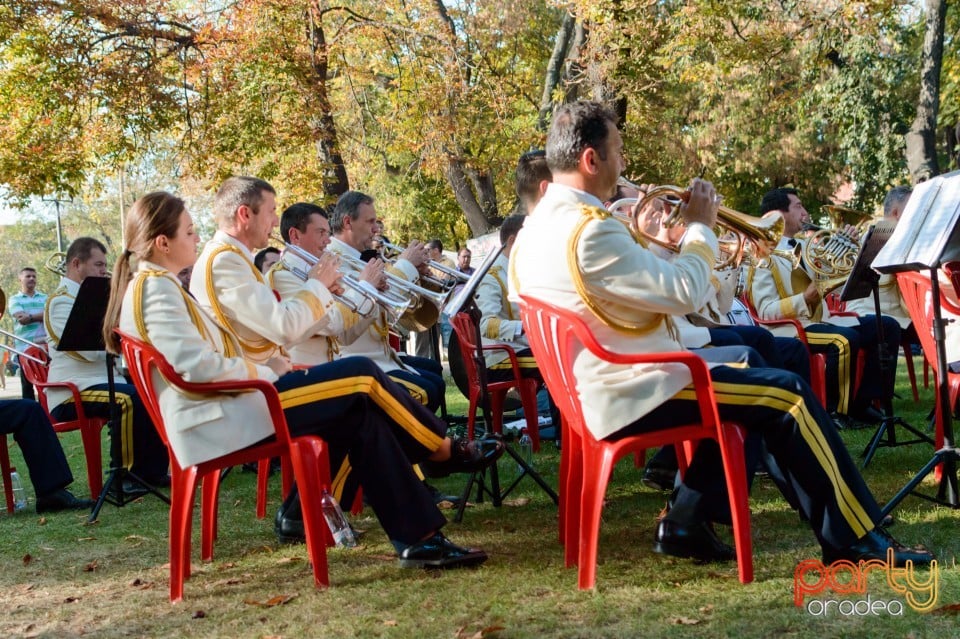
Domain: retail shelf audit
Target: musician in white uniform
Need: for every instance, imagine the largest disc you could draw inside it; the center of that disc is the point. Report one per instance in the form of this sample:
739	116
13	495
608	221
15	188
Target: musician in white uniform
141	451
365	419
573	254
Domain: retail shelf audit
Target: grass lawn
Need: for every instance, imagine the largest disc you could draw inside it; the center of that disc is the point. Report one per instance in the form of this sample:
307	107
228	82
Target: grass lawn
62	578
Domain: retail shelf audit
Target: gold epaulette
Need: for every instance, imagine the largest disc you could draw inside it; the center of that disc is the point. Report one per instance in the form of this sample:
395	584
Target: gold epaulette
259	346
589	214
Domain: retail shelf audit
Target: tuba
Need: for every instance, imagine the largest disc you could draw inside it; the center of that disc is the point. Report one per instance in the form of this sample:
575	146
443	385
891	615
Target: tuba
741	236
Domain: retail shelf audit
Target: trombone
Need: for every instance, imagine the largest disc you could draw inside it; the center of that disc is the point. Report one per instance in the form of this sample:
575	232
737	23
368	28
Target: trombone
3	307
395	308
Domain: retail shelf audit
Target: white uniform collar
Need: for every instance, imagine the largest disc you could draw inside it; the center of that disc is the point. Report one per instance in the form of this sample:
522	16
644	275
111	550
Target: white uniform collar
339	246
221	236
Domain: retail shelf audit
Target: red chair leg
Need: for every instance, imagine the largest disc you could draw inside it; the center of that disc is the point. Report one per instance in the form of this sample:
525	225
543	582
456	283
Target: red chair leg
731	446
209	506
313	475
593	490
181	515
90	436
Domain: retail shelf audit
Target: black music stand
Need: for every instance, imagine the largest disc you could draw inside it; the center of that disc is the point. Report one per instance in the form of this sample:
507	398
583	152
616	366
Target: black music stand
865	281
464	302
84	332
927	234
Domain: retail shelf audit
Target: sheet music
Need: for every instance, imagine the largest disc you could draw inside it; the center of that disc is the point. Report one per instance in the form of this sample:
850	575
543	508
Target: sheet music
925	228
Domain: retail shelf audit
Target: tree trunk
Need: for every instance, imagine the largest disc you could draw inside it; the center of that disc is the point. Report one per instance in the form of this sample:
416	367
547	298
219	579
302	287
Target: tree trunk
922	137
477	218
335	182
554	69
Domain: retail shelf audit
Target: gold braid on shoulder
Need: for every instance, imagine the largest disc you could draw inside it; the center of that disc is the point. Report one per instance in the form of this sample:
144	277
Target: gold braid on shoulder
591	214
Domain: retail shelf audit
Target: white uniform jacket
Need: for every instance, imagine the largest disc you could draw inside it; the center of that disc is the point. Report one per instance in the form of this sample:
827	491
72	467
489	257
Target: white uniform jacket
570	237
776	292
322	345
891	304
499	317
199	427
370	339
83	368
227	285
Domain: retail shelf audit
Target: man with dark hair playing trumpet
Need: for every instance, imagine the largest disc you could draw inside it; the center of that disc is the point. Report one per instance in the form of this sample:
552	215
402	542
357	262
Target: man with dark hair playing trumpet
780	291
571	253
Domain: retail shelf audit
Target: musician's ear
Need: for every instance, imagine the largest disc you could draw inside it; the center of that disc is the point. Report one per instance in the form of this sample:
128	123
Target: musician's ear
244	213
161	243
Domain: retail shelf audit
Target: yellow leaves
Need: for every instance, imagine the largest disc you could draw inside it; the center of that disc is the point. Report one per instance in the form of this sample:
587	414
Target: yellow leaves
278	600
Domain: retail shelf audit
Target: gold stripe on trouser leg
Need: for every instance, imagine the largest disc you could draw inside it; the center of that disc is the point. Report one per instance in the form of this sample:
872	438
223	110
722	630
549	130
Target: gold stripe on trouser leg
844	374
126	420
336	487
378	393
416	391
783	400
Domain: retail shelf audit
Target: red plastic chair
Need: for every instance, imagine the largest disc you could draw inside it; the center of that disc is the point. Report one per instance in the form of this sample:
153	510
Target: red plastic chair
5	469
308	455
89	427
556	337
917	290
465	329
818	361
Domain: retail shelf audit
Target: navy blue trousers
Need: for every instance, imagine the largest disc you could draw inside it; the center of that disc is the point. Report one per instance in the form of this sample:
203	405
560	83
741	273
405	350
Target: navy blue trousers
28	423
375	430
815	468
786	353
426	384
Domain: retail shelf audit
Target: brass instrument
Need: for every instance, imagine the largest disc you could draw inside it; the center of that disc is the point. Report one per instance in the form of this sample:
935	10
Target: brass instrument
840	216
424	304
453	276
742	235
3	309
830	253
395	308
57	263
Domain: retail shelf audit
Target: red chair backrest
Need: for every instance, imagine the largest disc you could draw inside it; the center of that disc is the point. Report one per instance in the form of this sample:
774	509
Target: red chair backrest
36	373
916	290
557	336
464	328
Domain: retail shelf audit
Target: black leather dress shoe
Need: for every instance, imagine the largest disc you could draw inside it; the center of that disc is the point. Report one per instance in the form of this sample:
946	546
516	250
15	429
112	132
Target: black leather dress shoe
466	456
440	552
289	531
62	499
697	541
874	545
659	478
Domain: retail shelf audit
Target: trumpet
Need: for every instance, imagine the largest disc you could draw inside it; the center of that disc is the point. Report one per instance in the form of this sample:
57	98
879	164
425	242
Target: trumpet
425	304
371	297
453	276
749	236
3	306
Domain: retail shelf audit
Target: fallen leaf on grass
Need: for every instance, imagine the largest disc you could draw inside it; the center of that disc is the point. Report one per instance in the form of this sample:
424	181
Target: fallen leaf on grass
86	538
91	566
199	614
463	633
390	622
42	521
519	501
279	600
706	609
141	584
446	504
71	599
685	621
27	558
289	560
